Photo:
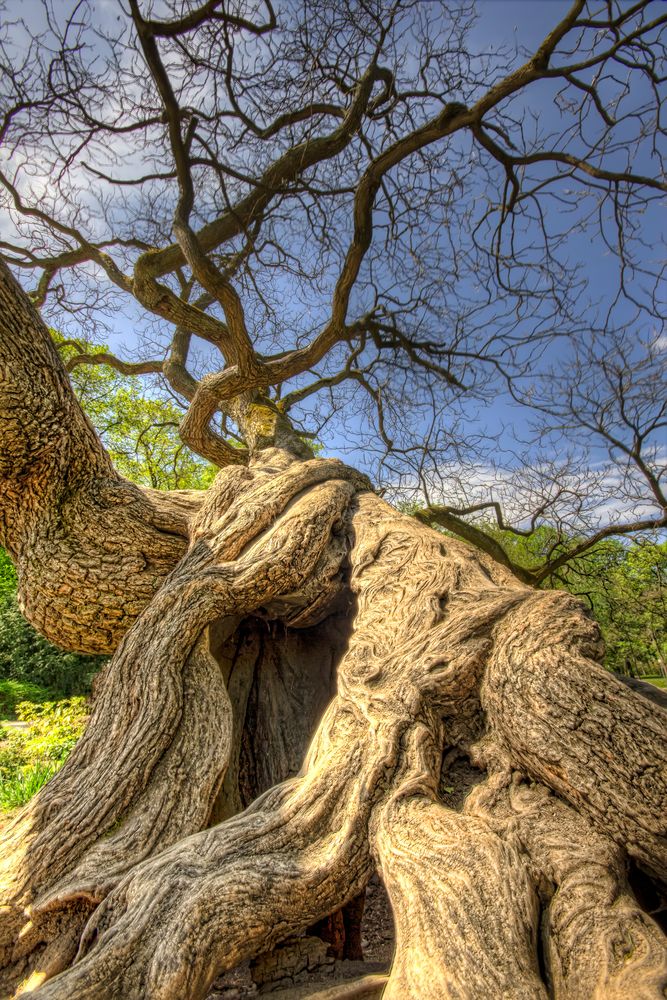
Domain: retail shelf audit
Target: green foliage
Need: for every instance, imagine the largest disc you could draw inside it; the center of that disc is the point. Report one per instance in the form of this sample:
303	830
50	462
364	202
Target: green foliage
53	727
141	435
28	658
137	424
628	596
12	693
20	786
7	575
624	584
30	756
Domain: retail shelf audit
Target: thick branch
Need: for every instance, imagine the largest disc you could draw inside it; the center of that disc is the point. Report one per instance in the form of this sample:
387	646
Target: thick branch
90	548
124	367
480	539
238	347
557	716
212	10
597	940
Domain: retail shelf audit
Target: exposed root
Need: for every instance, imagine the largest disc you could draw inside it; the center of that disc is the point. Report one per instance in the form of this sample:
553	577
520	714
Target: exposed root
465	910
598	943
146	771
437	627
236	890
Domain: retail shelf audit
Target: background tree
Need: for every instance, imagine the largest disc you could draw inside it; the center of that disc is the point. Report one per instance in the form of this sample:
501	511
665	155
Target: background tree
137	426
628	598
344	203
589	463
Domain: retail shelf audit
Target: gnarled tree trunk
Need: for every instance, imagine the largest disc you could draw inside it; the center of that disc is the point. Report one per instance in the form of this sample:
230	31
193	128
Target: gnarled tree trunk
230	615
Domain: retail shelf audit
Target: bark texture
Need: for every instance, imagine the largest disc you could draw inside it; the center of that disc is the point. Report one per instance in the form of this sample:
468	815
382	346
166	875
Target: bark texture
451	873
90	548
597	942
445	649
163	715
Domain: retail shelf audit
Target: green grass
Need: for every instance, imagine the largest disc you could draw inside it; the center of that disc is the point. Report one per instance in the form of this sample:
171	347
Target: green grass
660	682
19	787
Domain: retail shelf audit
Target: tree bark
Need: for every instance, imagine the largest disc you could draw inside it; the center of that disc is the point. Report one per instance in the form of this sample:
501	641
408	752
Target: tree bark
445	646
90	548
132	874
596	940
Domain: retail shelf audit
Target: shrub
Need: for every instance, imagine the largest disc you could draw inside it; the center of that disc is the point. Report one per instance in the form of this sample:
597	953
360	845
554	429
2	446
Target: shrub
20	787
31	756
12	756
27	656
13	692
54	727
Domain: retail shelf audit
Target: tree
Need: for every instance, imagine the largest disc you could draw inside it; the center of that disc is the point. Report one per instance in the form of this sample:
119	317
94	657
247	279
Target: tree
138	429
310	194
610	399
140	433
630	602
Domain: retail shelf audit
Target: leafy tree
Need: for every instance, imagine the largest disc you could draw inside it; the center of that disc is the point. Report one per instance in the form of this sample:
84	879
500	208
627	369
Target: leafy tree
631	605
624	585
358	216
139	430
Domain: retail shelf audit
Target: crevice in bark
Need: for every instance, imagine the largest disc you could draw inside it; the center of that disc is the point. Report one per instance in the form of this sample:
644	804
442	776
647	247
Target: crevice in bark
541	948
458	776
237	655
342	930
650	893
279	680
294	681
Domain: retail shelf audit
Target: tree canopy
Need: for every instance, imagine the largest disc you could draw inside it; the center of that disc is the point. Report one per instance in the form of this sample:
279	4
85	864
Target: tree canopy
375	216
138	428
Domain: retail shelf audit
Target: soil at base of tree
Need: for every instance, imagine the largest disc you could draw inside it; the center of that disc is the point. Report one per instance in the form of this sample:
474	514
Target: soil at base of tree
378	947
